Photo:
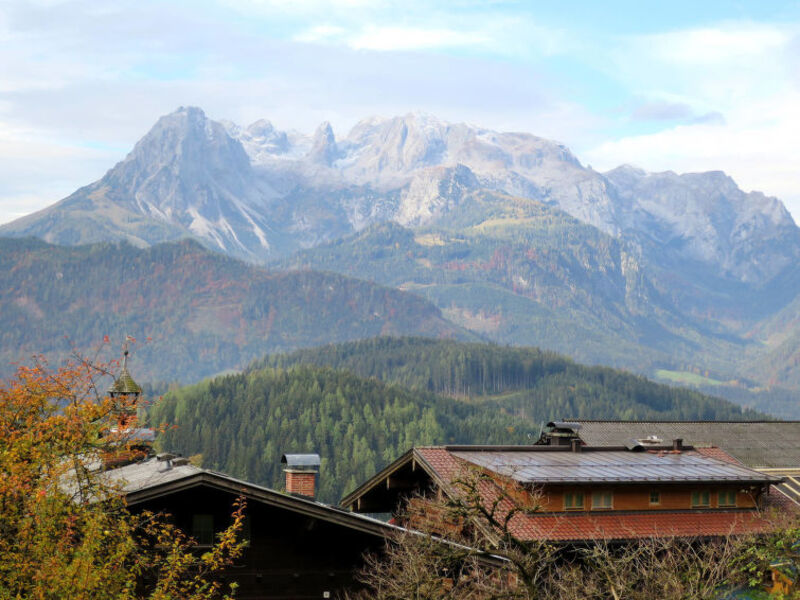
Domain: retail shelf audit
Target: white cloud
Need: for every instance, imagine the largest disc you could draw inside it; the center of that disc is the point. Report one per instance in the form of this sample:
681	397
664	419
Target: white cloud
709	46
411	38
710	69
36	169
320	33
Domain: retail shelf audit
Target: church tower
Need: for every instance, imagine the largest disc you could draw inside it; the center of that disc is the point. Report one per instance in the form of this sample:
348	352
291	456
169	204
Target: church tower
126	394
138	441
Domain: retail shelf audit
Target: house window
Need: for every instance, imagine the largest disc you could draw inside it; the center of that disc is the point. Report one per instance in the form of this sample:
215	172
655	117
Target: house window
602	500
655	497
573	501
727	498
701	499
203	529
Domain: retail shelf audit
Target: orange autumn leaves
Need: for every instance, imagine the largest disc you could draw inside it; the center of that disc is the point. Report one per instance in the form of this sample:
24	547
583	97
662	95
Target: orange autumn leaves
64	529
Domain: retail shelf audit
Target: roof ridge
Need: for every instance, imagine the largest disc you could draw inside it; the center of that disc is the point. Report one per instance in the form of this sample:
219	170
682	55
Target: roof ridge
634	422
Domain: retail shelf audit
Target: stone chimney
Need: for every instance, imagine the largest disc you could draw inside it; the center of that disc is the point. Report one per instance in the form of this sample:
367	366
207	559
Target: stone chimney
302	474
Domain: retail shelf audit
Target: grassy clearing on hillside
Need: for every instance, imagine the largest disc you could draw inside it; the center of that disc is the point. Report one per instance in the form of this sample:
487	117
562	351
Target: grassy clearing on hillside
429	239
686	378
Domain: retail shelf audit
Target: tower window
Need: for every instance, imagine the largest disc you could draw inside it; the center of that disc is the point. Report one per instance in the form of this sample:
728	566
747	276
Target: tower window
655	497
727	498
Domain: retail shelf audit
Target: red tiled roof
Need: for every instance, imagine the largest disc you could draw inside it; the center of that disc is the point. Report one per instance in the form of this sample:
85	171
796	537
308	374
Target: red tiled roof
609	526
441	461
718	453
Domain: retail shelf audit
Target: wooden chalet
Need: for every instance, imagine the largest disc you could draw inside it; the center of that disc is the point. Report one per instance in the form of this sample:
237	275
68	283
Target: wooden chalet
582	493
298	548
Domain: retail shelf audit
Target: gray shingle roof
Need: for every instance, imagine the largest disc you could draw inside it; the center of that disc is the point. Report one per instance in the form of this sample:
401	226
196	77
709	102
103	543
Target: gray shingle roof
611	466
149	473
124	384
757	444
152	478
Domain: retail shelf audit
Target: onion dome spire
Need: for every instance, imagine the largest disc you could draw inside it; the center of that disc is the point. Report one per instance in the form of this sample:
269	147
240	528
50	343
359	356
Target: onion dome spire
124	385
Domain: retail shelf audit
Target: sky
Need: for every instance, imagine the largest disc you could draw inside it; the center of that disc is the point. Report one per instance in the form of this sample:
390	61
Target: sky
682	86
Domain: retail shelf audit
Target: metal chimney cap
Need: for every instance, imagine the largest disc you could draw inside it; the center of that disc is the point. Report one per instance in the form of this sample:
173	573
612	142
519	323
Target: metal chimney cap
301	461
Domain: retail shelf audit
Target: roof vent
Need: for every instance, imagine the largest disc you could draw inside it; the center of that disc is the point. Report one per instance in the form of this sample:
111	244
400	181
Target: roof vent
167	457
650	440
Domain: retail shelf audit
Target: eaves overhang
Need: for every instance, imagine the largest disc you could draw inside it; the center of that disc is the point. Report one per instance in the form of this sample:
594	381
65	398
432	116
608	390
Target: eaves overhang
306	507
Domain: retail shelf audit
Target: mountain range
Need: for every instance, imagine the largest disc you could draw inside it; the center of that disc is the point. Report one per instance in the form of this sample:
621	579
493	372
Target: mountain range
258	192
192	312
681	276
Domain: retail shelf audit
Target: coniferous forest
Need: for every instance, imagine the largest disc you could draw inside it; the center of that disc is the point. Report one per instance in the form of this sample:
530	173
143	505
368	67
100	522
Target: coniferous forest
533	383
242	424
334	401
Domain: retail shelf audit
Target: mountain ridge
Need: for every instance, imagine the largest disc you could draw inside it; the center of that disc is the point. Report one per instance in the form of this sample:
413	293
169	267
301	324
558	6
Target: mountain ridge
203	312
224	184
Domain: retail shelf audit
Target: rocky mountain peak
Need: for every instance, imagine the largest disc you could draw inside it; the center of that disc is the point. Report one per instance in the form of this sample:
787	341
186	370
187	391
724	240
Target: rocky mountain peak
323	145
627	174
388	148
190	143
265	137
416	168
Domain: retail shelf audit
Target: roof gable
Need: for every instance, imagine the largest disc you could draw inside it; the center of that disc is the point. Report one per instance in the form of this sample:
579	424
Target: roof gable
151	479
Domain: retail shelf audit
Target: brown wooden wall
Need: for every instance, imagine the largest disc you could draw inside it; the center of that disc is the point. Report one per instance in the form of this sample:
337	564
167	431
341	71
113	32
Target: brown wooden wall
289	556
637	497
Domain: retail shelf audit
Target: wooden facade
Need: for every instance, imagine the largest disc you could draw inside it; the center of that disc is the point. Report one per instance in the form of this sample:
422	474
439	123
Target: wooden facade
576	498
298	548
578	493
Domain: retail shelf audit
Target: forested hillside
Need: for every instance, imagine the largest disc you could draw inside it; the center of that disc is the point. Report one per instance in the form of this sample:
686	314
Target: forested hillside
241	424
529	382
526	274
522	273
332	401
203	313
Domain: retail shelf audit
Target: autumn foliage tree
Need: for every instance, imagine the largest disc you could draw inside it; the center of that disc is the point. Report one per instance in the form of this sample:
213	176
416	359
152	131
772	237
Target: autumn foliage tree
65	531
